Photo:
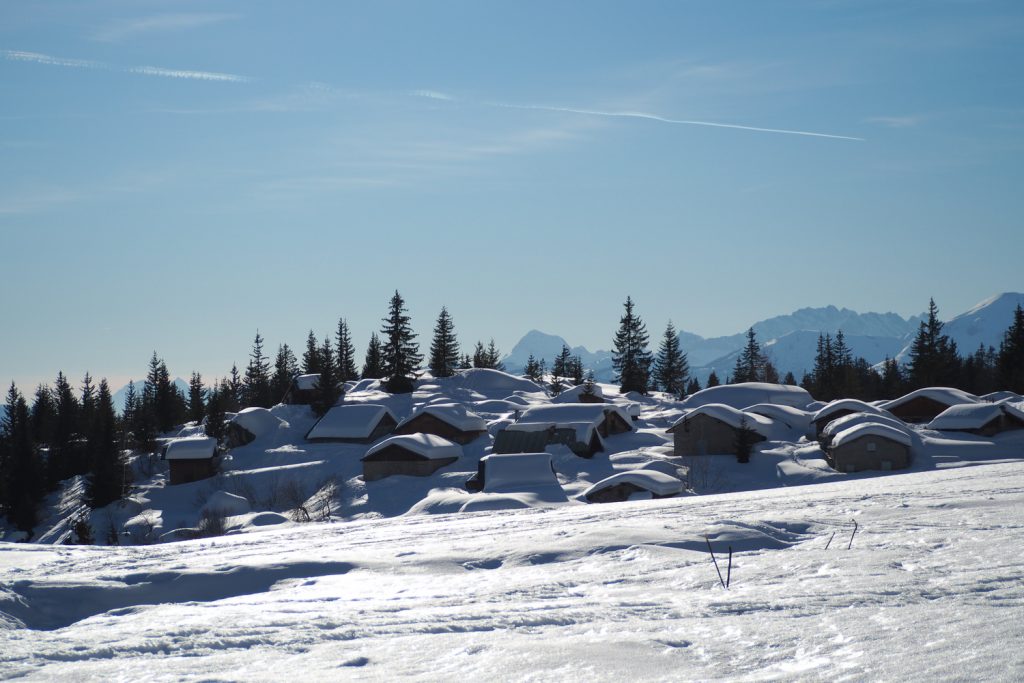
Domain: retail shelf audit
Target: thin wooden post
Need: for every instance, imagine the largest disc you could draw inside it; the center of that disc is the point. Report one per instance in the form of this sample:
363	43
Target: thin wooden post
830	540
850	544
728	572
720	579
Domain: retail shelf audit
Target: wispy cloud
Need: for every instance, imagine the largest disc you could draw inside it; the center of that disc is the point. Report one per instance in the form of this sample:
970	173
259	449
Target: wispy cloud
432	95
130	28
663	119
49	60
895	121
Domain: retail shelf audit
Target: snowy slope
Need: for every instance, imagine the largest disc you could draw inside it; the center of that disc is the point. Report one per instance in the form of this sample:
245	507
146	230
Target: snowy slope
930	590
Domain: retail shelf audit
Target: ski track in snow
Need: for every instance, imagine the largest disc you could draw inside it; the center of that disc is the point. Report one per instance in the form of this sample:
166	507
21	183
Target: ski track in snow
930	590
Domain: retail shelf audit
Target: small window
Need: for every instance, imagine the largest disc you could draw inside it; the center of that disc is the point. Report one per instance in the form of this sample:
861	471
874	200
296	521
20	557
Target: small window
872	446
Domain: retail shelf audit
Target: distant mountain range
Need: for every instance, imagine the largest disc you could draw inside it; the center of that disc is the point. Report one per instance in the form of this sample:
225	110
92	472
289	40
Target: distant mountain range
791	340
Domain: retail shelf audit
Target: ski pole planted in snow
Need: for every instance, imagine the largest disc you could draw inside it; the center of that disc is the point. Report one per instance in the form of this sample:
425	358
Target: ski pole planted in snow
830	540
728	571
850	545
720	579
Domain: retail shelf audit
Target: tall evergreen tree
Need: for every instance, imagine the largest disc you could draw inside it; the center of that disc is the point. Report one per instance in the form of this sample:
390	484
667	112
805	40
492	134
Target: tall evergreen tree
892	379
373	365
494	357
480	356
286	368
232	391
693	387
43	415
713	380
750	363
533	369
576	370
311	356
108	481
215	412
562	363
934	360
1010	361
444	348
130	414
328	386
789	379
196	398
630	356
400	352
60	462
467	362
671	368
256	385
346	356
21	484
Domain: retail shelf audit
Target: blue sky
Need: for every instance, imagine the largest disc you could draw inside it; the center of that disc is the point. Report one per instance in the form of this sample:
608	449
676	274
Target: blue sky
176	175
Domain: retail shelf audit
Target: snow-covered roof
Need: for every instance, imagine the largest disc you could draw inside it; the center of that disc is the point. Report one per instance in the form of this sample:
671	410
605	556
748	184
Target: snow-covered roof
732	417
428	446
307	382
848	404
191	448
492	383
749	393
455	414
349	421
658	483
258	421
517	472
871	429
846	421
572	394
585	431
945	395
999	396
972	415
794	417
564	413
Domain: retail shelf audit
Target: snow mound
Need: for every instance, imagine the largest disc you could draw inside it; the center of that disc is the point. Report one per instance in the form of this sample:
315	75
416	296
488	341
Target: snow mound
734	418
945	395
492	383
191	448
846	421
871	429
427	446
972	415
258	421
226	504
794	418
573	394
658	483
848	404
749	393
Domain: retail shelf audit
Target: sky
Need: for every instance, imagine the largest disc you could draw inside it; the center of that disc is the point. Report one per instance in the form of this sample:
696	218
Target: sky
175	175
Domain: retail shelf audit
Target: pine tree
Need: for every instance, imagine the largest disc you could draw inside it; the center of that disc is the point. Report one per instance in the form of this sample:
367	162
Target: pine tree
311	357
789	379
671	368
532	369
21	486
373	365
108	481
400	352
693	387
494	357
346	356
130	414
630	357
256	385
60	462
328	386
444	349
467	362
196	398
562	364
480	356
1010	361
215	412
286	368
43	415
749	364
713	380
892	379
930	353
232	394
744	441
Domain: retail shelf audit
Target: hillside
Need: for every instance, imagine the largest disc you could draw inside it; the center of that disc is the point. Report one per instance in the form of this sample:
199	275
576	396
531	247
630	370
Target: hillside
928	590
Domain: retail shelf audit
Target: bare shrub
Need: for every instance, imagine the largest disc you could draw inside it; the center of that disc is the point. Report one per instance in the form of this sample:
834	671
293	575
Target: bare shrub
211	523
702	474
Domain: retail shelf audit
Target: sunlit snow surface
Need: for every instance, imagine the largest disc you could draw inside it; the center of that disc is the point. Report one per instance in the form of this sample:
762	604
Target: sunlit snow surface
932	589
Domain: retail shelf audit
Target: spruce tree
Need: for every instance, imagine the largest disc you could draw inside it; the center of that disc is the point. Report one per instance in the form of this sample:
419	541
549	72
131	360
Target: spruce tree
311	357
789	379
107	482
480	359
328	386
532	369
892	379
933	356
215	412
744	441
693	387
713	380
196	398
21	484
494	357
749	364
671	368
43	415
256	385
562	364
630	356
286	368
60	462
444	348
400	352
467	362
232	395
373	365
346	356
1010	361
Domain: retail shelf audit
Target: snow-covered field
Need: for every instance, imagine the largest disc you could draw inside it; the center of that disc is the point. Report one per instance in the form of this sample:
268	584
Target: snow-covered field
930	590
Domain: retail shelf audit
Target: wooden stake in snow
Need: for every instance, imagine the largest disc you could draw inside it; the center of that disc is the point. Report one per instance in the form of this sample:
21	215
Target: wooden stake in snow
830	540
728	572
850	544
720	579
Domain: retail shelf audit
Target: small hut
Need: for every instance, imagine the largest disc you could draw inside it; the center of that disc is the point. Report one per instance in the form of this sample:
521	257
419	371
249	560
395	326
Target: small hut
852	420
504	473
869	446
250	423
985	419
841	408
414	455
190	459
712	429
353	423
450	421
634	484
924	405
580	426
302	390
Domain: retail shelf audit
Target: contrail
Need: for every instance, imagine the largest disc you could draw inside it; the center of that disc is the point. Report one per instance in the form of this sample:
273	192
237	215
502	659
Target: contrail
39	58
662	119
